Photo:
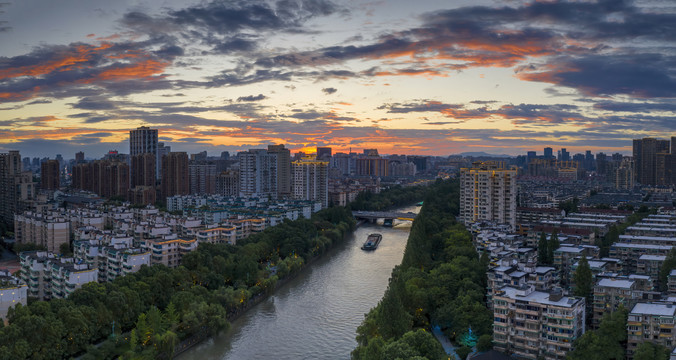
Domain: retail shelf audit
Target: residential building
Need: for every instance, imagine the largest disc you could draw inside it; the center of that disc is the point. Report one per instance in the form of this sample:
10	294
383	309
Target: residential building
258	173
202	178
175	180
653	322
16	186
488	193
169	250
310	180
143	140
12	291
284	174
46	230
107	178
227	183
533	324
50	277
50	175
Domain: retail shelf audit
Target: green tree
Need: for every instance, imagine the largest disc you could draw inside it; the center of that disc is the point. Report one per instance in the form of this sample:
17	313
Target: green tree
649	351
607	342
668	265
583	279
552	245
463	352
542	249
484	343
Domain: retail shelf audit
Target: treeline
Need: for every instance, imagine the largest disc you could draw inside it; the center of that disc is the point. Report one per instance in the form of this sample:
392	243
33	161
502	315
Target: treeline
148	314
391	197
441	282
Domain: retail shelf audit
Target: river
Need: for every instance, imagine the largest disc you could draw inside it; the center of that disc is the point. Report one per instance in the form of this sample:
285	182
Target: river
315	315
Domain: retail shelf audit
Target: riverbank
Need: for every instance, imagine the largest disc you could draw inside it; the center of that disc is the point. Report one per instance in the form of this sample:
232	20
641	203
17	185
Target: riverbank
316	312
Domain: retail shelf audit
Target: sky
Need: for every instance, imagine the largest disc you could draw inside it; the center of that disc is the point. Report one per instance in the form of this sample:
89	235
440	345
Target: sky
424	77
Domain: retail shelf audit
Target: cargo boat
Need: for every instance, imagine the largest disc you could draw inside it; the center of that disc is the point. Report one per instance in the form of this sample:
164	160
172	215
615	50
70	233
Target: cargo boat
372	242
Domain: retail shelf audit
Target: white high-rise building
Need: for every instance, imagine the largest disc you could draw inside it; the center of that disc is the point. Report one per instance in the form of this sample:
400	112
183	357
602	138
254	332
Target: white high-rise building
310	180
488	193
257	173
144	140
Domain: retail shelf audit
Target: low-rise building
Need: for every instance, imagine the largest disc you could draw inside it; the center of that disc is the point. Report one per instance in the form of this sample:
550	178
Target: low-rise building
168	250
533	324
12	291
50	277
653	322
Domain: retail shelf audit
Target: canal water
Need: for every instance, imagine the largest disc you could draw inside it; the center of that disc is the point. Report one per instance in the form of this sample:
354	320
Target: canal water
315	315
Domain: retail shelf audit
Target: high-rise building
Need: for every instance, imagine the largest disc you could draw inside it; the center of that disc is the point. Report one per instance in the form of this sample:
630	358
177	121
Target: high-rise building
107	178
79	157
488	193
144	140
548	153
624	174
341	161
311	180
372	164
227	183
175	179
50	175
323	153
143	170
258	173
284	176
564	155
16	186
645	153
202	178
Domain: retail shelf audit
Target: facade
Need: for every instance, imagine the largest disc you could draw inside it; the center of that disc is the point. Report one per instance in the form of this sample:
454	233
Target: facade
202	178
175	180
311	181
49	277
284	175
49	231
50	178
624	174
372	166
258	173
648	170
488	193
168	252
652	322
143	170
107	178
16	186
533	324
218	235
227	183
143	140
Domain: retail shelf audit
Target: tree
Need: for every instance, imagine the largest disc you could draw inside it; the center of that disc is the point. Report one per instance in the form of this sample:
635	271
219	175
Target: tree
668	265
485	343
649	351
463	352
552	245
583	279
542	249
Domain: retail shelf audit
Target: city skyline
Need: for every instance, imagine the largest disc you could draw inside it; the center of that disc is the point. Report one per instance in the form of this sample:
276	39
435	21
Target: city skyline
412	78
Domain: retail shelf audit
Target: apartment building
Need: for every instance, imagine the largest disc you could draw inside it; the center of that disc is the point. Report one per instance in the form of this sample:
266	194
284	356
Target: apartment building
488	193
310	180
533	324
46	230
218	235
652	322
12	291
49	277
168	250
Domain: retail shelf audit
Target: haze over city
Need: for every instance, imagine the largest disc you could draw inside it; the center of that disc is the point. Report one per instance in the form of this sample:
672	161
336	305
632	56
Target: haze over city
422	77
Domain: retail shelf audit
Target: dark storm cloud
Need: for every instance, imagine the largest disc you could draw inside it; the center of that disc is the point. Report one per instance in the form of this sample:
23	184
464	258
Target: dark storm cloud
635	107
329	91
258	97
584	46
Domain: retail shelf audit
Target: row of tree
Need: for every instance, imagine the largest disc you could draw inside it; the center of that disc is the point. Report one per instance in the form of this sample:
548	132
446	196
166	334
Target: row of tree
147	314
391	197
441	282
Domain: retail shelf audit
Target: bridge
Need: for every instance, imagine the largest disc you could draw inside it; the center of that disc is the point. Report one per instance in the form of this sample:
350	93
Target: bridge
374	215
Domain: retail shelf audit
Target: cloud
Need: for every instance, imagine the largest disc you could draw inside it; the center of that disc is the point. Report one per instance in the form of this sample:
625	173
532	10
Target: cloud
329	91
258	97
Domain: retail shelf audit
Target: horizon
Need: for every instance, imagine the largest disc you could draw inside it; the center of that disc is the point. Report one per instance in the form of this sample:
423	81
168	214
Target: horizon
423	78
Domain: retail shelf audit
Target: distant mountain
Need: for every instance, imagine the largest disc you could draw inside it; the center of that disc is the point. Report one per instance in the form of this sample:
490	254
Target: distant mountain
484	154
